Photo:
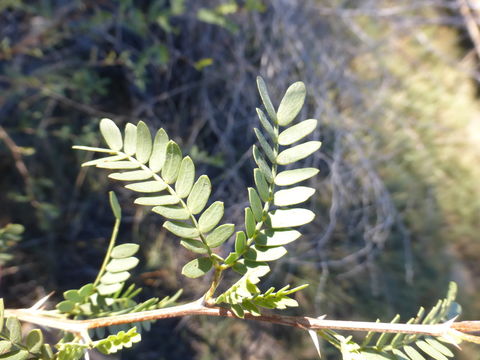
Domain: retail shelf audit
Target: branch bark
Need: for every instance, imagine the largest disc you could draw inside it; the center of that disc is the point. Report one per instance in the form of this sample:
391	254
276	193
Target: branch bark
42	318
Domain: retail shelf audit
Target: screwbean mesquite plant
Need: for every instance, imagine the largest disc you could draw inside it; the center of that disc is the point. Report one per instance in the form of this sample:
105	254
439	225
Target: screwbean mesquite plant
105	315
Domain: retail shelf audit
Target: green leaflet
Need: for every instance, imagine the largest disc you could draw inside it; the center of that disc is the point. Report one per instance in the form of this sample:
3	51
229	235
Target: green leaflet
111	133
262	89
199	195
173	158
298	152
147	186
290	177
249	223
130	141
261	184
412	353
430	350
267	149
291	103
186	176
107	289
135	175
266	124
197	267
157	200
293	196
117	211
400	355
172	212
114	278
181	229
119	265
262	164
144	143
34	341
211	217
277	238
439	347
240	242
14	330
221	234
159	151
255	204
265	254
195	246
290	218
297	132
124	251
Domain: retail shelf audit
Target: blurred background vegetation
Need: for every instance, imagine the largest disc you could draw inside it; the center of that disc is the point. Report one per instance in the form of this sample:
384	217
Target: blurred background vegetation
395	86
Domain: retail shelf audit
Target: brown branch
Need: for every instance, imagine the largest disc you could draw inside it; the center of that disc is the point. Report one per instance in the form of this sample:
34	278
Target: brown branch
43	318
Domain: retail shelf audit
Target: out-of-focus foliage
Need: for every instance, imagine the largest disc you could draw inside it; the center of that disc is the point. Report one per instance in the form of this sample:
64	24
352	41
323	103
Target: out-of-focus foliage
394	87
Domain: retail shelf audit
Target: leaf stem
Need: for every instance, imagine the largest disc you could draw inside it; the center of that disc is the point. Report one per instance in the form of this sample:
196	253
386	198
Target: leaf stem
113	239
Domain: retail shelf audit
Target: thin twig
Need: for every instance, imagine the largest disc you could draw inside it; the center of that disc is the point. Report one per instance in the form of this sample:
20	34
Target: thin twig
198	308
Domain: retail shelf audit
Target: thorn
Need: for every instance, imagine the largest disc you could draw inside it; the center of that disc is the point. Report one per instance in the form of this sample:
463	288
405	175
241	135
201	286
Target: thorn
39	304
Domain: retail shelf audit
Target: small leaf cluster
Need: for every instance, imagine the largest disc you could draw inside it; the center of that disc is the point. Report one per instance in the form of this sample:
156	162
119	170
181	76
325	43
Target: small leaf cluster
119	341
404	346
107	296
9	236
244	295
14	347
